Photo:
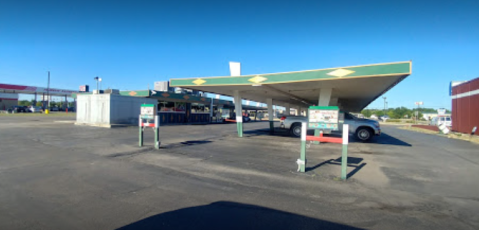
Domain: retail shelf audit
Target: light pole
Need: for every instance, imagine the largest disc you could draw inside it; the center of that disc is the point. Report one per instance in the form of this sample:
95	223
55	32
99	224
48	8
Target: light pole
98	80
48	91
384	110
418	103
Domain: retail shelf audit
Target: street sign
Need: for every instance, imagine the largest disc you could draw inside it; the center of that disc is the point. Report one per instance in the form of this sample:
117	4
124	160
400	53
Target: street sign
84	88
147	111
148	118
323	117
441	111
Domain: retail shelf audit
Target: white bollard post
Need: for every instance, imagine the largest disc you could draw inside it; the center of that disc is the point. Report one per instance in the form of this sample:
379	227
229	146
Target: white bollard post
157	132
302	159
344	157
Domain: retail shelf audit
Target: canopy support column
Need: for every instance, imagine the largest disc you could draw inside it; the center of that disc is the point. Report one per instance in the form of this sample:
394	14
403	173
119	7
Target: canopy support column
65	105
323	100
333	101
211	110
287	109
239	112
324	96
269	101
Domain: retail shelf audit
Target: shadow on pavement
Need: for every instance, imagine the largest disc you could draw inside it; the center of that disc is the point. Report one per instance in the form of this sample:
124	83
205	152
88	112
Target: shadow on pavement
185	143
195	142
232	215
352	162
277	132
385	139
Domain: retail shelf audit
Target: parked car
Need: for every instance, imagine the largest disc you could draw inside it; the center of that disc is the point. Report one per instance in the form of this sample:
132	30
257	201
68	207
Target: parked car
36	109
71	109
440	120
19	109
384	118
54	109
362	129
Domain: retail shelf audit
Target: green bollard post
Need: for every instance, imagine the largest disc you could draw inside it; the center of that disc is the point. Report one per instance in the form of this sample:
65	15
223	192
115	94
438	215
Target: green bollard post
316	134
239	125
344	156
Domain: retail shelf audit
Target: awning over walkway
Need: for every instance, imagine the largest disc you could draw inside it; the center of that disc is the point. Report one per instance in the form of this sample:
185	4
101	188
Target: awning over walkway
353	87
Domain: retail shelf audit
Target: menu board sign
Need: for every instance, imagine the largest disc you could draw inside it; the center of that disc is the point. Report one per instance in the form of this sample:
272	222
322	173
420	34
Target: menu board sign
147	111
323	117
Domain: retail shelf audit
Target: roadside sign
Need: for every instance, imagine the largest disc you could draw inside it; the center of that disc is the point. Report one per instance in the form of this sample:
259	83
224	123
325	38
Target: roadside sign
441	111
225	113
323	117
147	111
418	103
84	88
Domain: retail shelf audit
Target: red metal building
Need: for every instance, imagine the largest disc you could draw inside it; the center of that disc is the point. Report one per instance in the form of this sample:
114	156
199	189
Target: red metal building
465	106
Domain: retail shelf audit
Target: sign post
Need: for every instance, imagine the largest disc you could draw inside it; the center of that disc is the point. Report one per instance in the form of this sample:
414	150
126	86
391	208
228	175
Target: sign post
149	118
324	118
319	118
418	103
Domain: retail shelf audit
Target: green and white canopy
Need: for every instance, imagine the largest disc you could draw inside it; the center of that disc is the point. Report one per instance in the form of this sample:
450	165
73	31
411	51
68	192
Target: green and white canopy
354	87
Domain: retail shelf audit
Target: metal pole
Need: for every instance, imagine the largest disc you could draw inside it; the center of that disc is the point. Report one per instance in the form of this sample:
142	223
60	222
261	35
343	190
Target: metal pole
417	114
140	141
344	156
384	110
48	91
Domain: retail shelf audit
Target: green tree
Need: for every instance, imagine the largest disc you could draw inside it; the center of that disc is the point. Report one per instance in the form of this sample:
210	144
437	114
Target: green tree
367	113
392	114
24	103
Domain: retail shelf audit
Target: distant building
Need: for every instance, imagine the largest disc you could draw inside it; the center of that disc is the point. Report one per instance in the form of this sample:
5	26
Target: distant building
7	100
430	116
465	106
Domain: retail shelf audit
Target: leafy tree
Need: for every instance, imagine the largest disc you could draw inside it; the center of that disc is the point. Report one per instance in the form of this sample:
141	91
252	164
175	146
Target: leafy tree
366	113
24	103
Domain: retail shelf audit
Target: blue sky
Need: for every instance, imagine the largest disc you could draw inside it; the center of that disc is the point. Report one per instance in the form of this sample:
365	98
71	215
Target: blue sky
132	43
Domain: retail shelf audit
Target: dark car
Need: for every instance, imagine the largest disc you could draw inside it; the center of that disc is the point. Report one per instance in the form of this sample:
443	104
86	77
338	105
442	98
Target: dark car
20	109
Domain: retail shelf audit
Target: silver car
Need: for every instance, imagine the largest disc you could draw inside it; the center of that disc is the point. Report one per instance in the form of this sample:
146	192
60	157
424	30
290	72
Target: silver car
362	129
35	109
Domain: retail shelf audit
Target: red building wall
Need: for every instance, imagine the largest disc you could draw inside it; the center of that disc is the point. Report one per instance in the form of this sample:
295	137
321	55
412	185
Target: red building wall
465	106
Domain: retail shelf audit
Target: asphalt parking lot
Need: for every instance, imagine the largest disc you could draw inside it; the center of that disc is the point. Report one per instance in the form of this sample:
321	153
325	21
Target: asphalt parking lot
55	175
